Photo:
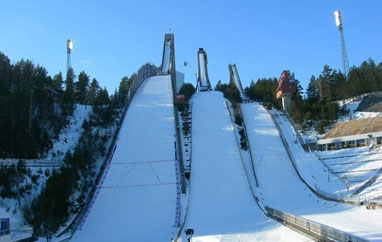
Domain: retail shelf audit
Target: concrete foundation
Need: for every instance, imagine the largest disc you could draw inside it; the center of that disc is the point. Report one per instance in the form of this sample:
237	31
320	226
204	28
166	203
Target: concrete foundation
286	100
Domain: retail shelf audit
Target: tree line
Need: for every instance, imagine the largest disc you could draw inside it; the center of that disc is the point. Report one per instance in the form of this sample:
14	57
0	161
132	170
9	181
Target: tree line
317	108
35	106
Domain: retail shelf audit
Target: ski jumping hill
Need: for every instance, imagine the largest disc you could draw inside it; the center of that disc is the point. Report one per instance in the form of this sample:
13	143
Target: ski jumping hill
281	188
137	200
221	206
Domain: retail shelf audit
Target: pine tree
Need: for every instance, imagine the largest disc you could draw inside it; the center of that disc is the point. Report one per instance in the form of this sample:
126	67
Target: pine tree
115	99
187	90
68	96
123	89
312	90
81	87
67	104
102	98
58	81
93	91
323	81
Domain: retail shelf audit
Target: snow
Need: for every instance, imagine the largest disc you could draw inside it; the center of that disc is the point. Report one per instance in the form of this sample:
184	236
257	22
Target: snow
281	188
67	140
221	206
5	214
362	166
310	167
352	104
358	165
70	134
137	200
166	57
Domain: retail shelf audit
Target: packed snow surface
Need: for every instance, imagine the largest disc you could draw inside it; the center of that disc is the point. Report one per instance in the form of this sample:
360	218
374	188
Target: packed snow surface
137	200
221	206
310	167
281	188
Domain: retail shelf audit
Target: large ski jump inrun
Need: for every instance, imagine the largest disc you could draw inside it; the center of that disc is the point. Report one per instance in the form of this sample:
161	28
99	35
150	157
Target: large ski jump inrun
281	188
137	201
221	206
166	57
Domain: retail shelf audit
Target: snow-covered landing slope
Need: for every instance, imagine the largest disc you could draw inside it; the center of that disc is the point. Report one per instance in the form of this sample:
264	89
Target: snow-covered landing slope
310	167
221	206
137	199
281	188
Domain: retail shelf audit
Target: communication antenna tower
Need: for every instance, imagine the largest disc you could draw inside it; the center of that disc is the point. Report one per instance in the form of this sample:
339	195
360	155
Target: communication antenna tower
69	47
345	61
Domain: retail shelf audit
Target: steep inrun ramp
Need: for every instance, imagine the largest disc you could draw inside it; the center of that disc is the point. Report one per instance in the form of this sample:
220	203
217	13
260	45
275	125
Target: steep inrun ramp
281	188
235	79
203	80
166	61
221	206
137	200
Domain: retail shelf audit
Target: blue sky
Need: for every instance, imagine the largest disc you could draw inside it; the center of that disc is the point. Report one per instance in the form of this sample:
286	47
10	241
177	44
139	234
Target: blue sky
114	38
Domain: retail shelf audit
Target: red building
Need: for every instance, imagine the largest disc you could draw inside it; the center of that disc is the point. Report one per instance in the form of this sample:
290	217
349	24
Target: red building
286	88
287	85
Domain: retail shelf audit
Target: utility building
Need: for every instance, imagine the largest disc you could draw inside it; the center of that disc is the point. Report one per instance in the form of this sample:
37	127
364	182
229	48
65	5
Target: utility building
286	88
353	133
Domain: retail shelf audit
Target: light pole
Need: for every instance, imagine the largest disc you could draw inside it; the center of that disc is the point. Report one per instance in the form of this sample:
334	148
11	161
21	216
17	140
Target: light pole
345	61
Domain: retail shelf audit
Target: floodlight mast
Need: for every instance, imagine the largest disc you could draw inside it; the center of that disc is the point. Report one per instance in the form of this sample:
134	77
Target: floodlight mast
345	61
69	47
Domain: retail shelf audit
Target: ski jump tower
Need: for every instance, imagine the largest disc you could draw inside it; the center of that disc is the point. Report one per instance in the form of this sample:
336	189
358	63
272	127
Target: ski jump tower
168	63
203	81
286	88
235	79
168	57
